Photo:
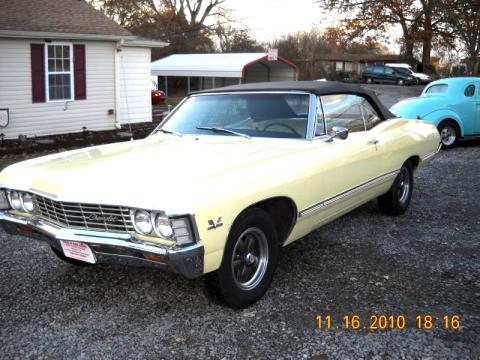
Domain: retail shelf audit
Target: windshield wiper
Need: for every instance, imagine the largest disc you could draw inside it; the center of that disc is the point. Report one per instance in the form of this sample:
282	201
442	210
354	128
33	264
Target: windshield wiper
218	129
169	132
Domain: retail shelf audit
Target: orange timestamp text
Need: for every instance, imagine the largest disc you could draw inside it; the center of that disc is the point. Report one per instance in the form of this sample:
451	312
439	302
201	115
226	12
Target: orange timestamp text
388	322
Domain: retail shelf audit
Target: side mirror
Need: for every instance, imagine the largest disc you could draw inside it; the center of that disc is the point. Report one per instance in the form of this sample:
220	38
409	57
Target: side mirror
338	132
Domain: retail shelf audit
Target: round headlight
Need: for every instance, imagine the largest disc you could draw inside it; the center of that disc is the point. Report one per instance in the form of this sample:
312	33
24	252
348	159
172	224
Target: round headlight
163	228
15	200
27	202
141	220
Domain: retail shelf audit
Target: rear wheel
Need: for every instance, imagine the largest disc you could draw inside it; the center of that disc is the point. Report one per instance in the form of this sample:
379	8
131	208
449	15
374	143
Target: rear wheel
448	134
68	260
369	80
397	199
249	261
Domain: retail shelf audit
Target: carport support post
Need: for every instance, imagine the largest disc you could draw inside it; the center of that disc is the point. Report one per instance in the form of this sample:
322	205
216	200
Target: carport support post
213	83
166	85
188	84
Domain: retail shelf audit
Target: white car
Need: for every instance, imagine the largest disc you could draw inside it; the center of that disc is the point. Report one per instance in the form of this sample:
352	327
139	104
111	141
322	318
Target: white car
406	68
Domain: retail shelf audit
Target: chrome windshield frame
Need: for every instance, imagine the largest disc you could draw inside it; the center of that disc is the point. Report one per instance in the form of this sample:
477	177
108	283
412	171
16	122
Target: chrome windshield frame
312	109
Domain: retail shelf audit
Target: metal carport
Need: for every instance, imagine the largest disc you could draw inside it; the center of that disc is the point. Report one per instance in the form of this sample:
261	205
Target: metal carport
214	70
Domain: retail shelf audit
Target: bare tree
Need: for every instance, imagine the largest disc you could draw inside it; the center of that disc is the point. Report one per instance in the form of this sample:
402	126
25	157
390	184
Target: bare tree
183	23
234	39
377	16
463	17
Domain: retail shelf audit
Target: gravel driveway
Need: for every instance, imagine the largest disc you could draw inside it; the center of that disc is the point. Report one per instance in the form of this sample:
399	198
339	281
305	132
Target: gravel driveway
424	262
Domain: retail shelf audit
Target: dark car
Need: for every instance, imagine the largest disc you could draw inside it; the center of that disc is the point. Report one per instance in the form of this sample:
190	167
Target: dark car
387	74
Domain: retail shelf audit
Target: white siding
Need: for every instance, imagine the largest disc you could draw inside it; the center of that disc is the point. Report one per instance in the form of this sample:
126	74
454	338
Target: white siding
38	119
134	104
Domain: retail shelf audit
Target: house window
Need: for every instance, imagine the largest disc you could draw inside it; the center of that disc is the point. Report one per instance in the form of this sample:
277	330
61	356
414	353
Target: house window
59	79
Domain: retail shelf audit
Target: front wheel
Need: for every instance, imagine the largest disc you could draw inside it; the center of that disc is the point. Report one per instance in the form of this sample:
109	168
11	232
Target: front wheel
448	134
400	82
369	80
396	200
249	261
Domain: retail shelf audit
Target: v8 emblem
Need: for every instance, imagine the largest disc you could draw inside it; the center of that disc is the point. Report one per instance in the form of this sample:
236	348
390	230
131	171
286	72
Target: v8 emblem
213	224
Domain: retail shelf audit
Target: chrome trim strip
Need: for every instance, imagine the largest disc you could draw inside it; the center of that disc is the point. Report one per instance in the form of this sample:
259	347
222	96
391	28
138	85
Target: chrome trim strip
44	193
428	156
317	206
312	117
250	92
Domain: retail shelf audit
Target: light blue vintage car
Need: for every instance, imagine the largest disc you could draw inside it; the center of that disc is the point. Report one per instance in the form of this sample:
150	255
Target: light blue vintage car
452	105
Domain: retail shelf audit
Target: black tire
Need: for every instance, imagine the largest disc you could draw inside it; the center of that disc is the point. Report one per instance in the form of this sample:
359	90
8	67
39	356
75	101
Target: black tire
68	260
400	82
369	80
242	254
395	202
448	134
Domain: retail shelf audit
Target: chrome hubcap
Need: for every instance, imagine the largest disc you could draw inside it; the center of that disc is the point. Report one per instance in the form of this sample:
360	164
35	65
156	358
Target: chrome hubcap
448	135
403	187
250	258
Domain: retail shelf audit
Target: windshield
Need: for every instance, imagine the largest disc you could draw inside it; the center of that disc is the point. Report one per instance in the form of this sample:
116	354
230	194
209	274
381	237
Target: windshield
255	114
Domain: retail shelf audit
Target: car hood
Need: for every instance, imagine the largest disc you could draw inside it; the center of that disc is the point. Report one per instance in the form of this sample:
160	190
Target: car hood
418	106
161	169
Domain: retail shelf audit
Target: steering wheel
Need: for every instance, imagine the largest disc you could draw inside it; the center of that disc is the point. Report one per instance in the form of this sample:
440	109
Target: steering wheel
284	125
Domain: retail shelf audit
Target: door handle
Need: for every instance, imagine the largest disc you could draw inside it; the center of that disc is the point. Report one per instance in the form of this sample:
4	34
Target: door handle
373	141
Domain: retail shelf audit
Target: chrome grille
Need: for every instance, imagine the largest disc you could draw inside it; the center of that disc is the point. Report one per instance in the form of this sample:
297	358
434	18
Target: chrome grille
84	216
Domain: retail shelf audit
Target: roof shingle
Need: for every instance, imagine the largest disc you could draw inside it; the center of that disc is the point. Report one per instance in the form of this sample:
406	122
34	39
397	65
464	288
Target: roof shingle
57	16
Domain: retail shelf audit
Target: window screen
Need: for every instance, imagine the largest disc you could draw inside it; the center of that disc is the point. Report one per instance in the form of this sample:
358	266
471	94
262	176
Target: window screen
59	72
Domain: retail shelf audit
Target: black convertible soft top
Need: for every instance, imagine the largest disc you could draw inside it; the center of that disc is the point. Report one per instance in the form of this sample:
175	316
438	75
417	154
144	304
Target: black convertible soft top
315	87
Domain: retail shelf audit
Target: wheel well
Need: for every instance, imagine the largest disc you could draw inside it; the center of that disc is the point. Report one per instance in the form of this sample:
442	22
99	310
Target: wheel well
283	212
414	161
454	122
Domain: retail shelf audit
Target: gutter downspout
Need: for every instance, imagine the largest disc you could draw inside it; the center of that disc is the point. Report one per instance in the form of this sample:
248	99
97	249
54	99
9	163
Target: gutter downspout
118	49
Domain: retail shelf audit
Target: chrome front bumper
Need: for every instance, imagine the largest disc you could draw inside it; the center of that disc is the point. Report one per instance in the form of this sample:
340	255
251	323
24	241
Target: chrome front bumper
111	247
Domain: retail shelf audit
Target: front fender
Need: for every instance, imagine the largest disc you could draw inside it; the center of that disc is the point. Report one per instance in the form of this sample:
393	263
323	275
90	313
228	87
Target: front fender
437	116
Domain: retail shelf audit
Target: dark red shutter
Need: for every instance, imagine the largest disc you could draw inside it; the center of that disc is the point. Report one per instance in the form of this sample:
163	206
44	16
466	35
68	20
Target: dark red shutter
79	72
38	72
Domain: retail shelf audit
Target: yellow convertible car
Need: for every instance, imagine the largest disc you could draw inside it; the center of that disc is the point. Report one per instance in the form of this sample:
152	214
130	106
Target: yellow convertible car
228	178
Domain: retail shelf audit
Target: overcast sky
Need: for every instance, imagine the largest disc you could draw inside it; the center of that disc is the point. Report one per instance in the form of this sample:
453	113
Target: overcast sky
268	19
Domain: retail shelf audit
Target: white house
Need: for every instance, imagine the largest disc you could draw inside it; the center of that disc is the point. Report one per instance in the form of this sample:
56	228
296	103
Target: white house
65	66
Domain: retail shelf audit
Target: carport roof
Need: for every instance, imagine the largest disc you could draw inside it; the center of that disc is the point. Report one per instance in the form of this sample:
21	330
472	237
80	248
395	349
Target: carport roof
211	65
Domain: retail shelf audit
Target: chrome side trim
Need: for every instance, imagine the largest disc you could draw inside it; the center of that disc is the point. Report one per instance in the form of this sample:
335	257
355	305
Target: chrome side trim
317	206
428	156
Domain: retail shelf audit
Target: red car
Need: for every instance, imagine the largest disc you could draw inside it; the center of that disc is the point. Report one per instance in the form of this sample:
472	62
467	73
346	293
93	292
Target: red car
158	97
